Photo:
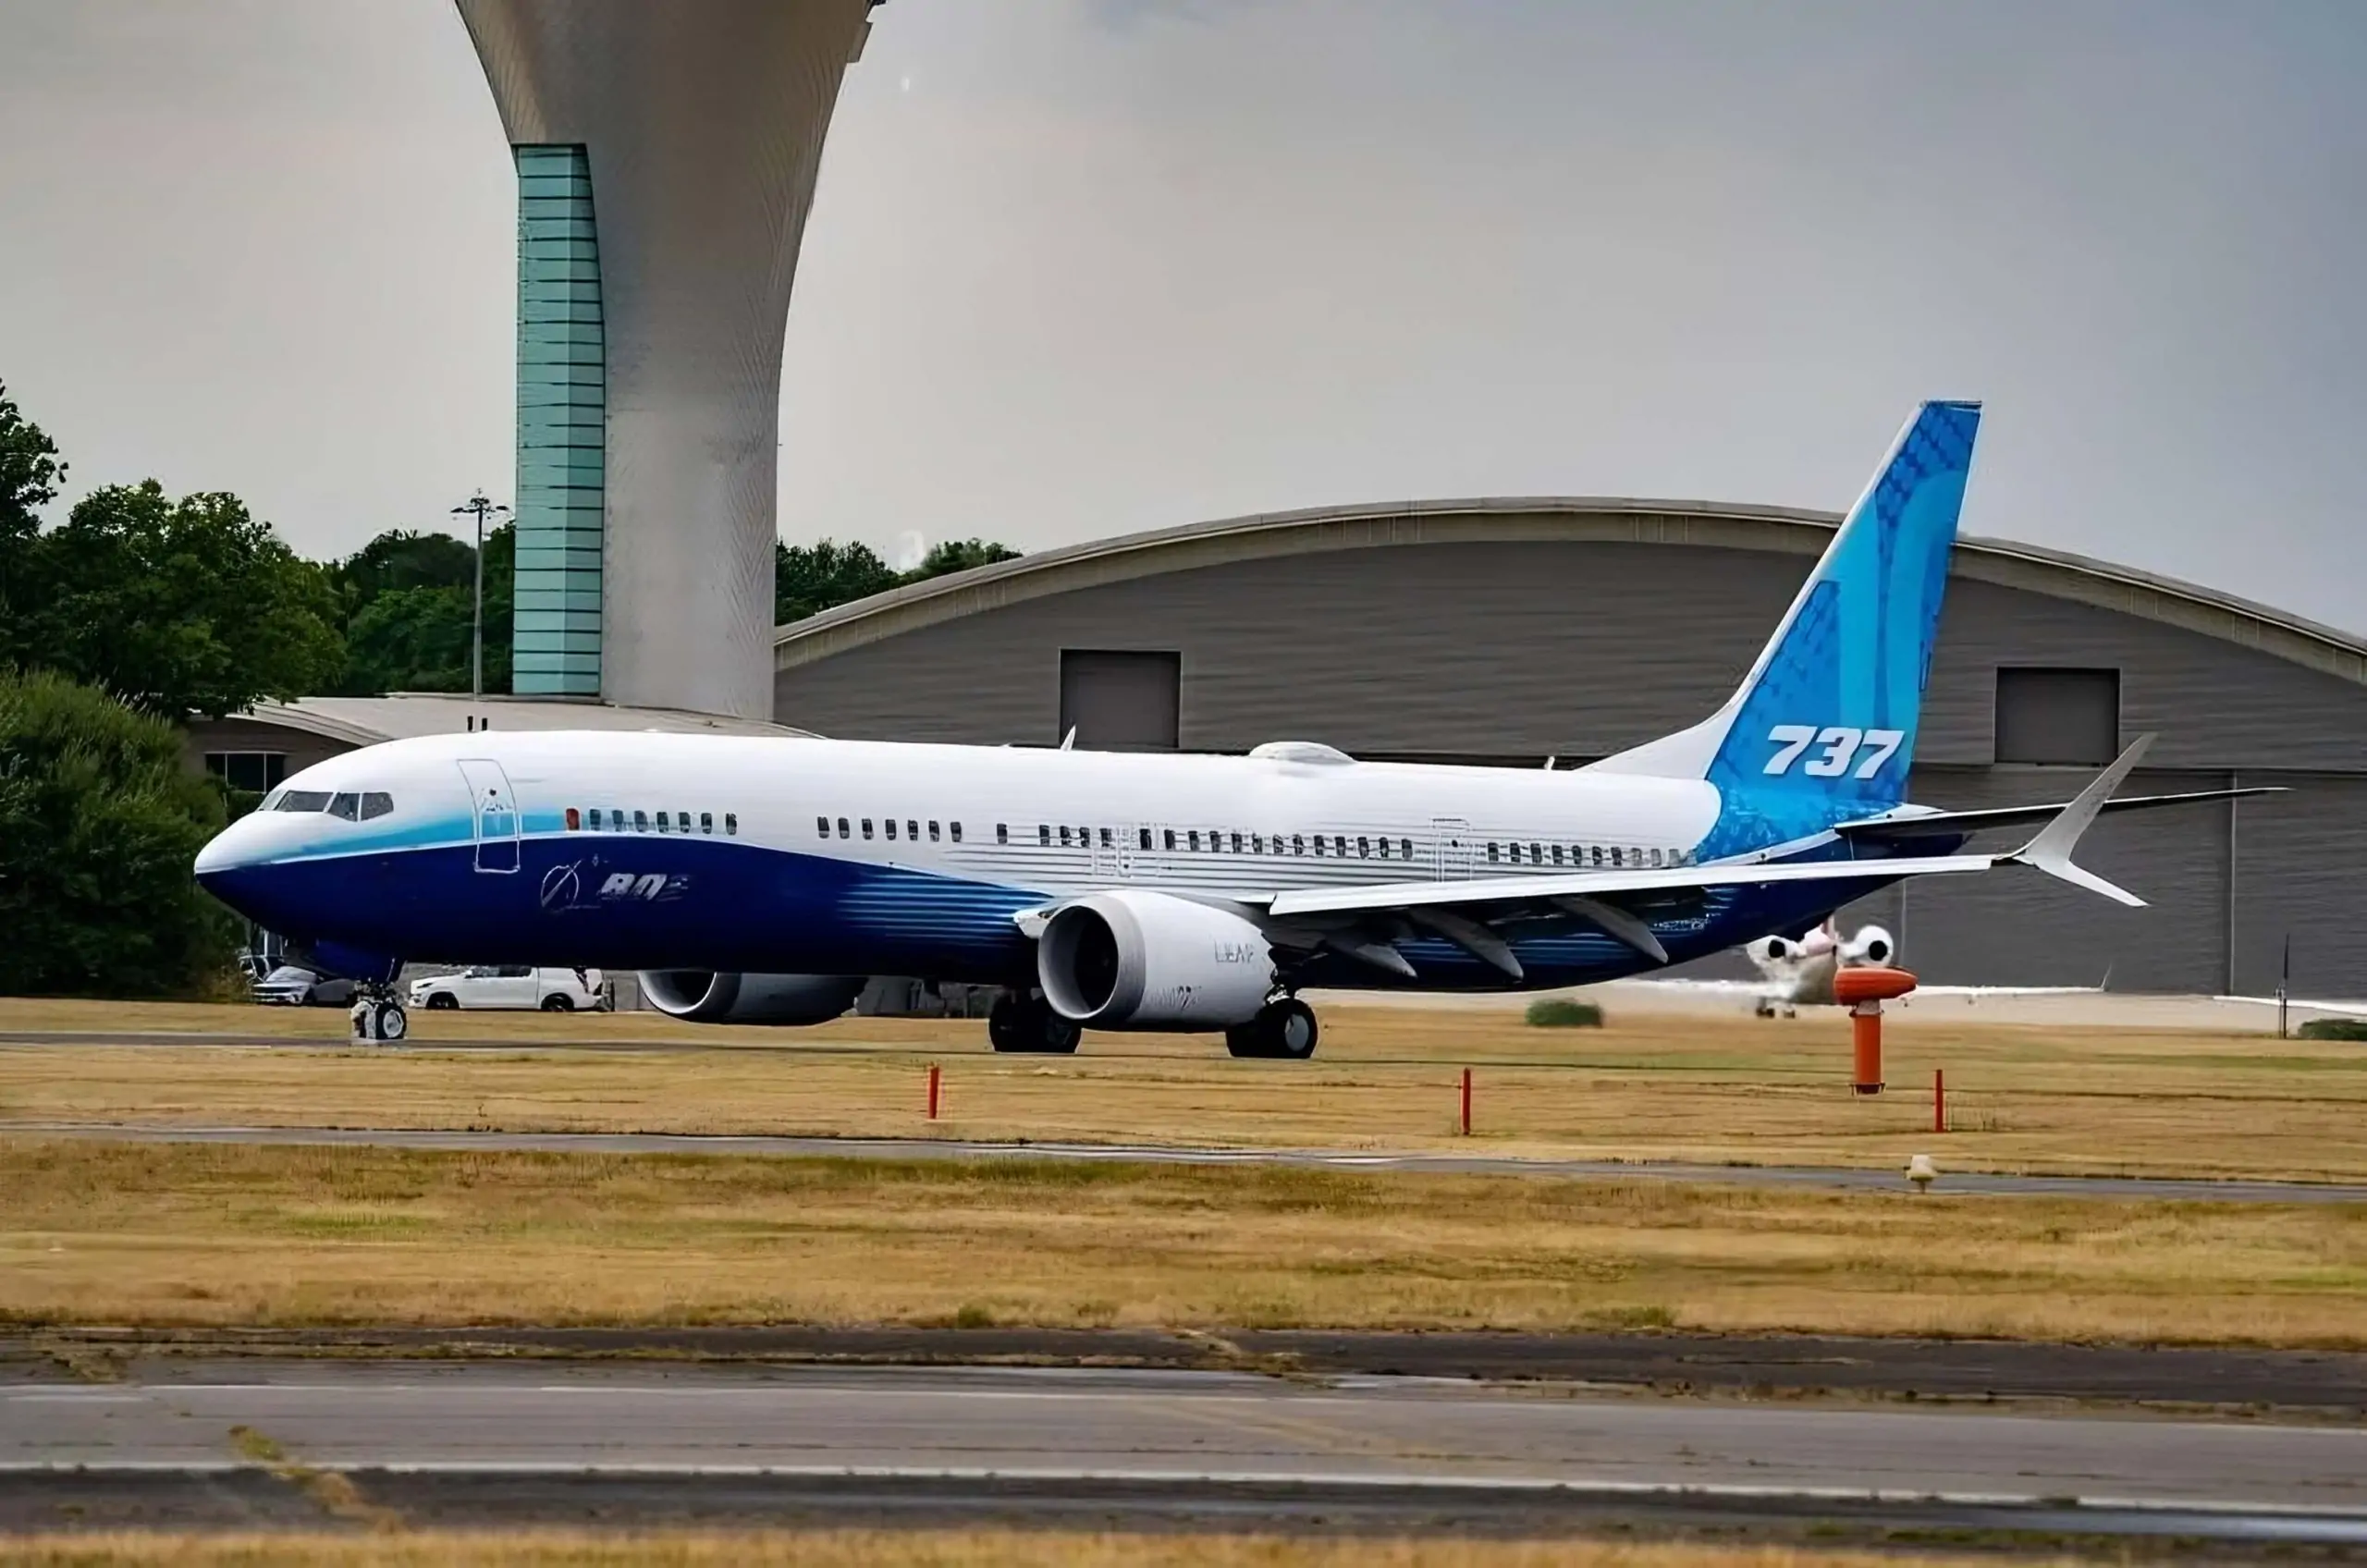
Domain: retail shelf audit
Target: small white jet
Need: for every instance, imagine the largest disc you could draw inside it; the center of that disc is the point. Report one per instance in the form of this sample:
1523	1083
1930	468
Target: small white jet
1800	969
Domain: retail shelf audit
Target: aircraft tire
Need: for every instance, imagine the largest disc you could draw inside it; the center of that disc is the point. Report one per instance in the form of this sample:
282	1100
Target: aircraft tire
1293	1029
1283	1031
1030	1028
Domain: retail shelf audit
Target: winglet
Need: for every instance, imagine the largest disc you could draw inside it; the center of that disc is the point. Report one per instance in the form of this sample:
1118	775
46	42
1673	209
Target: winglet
2049	850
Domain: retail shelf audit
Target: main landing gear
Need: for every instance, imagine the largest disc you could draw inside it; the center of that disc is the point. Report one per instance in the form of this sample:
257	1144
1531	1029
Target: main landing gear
1029	1024
1284	1030
379	1017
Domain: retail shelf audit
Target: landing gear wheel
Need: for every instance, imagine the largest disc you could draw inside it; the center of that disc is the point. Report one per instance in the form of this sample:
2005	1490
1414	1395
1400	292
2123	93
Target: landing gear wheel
1029	1025
1283	1031
377	1019
558	1004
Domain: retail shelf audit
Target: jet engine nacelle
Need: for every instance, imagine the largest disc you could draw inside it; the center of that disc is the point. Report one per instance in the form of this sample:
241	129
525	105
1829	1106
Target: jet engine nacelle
702	995
1132	960
1872	945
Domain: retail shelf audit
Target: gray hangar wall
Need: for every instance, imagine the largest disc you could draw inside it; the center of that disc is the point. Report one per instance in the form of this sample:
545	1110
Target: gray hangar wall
1506	632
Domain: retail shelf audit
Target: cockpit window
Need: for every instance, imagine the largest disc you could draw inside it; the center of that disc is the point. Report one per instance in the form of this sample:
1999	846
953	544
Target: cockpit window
304	800
376	803
346	805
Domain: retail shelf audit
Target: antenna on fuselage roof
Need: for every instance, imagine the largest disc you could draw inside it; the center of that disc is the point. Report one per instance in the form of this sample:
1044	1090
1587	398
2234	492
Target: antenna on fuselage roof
1068	741
1550	761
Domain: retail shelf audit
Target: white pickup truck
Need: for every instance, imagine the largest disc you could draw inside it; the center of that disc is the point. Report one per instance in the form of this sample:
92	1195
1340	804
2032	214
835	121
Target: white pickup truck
507	985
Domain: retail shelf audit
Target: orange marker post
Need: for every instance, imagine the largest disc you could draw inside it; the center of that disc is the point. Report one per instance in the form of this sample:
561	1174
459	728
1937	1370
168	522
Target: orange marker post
932	1091
1939	1100
1466	1102
1863	990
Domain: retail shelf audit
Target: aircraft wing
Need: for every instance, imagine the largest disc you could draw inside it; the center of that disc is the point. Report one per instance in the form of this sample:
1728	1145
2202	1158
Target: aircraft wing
1954	824
1591	894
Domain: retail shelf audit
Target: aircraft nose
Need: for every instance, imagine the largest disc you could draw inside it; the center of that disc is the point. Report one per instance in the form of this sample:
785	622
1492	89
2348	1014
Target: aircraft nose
225	852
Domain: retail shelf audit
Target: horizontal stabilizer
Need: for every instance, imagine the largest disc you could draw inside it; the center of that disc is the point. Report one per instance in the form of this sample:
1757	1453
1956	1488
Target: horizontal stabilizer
1957	824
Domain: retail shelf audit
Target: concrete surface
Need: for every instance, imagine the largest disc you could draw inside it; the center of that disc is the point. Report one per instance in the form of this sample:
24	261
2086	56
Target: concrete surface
1200	1441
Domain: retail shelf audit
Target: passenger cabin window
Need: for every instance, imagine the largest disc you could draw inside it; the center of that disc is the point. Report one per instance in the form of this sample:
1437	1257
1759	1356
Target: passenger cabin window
731	824
574	821
912	830
1192	838
595	819
866	827
932	830
1145	838
842	827
1003	832
682	820
641	822
822	826
890	827
956	828
1064	836
1043	833
1105	839
662	823
1170	838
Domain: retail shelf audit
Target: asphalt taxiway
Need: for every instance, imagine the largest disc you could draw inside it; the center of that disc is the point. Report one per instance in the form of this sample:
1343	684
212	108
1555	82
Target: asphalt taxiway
204	1442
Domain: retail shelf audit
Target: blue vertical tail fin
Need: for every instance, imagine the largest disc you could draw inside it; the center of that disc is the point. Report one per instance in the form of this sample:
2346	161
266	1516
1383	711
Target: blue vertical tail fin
1823	727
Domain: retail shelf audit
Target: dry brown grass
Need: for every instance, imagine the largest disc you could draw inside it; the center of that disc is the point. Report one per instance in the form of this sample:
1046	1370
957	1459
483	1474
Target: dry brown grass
182	1234
2024	1097
892	1548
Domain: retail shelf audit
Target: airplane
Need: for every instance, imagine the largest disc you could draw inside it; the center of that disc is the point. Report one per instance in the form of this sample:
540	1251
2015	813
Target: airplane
760	880
1798	971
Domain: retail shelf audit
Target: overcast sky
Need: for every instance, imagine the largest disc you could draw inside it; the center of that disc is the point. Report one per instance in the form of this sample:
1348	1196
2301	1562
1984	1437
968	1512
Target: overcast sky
1083	266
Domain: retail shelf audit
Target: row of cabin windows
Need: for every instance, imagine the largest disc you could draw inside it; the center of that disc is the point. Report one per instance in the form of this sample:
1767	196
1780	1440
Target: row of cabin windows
887	823
1338	846
599	819
1584	854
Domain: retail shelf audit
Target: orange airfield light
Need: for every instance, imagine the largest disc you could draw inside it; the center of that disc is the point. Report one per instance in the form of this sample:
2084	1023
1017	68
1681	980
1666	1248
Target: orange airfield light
1863	990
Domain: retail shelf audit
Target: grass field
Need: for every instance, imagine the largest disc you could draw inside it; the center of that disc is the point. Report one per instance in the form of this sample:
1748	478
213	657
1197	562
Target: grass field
2022	1098
894	1548
206	1235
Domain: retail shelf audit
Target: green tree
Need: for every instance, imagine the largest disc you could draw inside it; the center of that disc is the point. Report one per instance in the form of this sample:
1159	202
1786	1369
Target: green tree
29	474
809	579
410	596
181	606
99	818
959	555
403	559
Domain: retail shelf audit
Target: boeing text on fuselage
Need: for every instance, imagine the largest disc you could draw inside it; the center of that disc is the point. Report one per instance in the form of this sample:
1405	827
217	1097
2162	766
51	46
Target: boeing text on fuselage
760	880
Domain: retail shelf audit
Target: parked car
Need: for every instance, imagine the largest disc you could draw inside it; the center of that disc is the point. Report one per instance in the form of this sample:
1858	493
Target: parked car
288	986
507	986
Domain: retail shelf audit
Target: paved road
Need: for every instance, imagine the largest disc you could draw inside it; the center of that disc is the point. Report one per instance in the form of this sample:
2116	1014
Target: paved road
1162	1154
492	1435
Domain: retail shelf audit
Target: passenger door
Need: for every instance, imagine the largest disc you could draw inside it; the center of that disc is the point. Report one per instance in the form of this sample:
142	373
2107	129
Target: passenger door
1453	838
495	808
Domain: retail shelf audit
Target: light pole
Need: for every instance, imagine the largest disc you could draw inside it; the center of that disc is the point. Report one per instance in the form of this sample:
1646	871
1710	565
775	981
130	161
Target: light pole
480	507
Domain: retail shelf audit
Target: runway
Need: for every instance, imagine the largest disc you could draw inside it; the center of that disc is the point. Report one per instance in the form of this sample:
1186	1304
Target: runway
197	1443
1836	1177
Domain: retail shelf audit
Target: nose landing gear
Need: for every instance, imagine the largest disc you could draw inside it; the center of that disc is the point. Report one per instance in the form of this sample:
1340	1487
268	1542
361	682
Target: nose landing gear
378	1016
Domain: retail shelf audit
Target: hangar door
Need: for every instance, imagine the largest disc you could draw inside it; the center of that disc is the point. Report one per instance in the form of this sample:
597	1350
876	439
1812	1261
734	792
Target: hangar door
1121	700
